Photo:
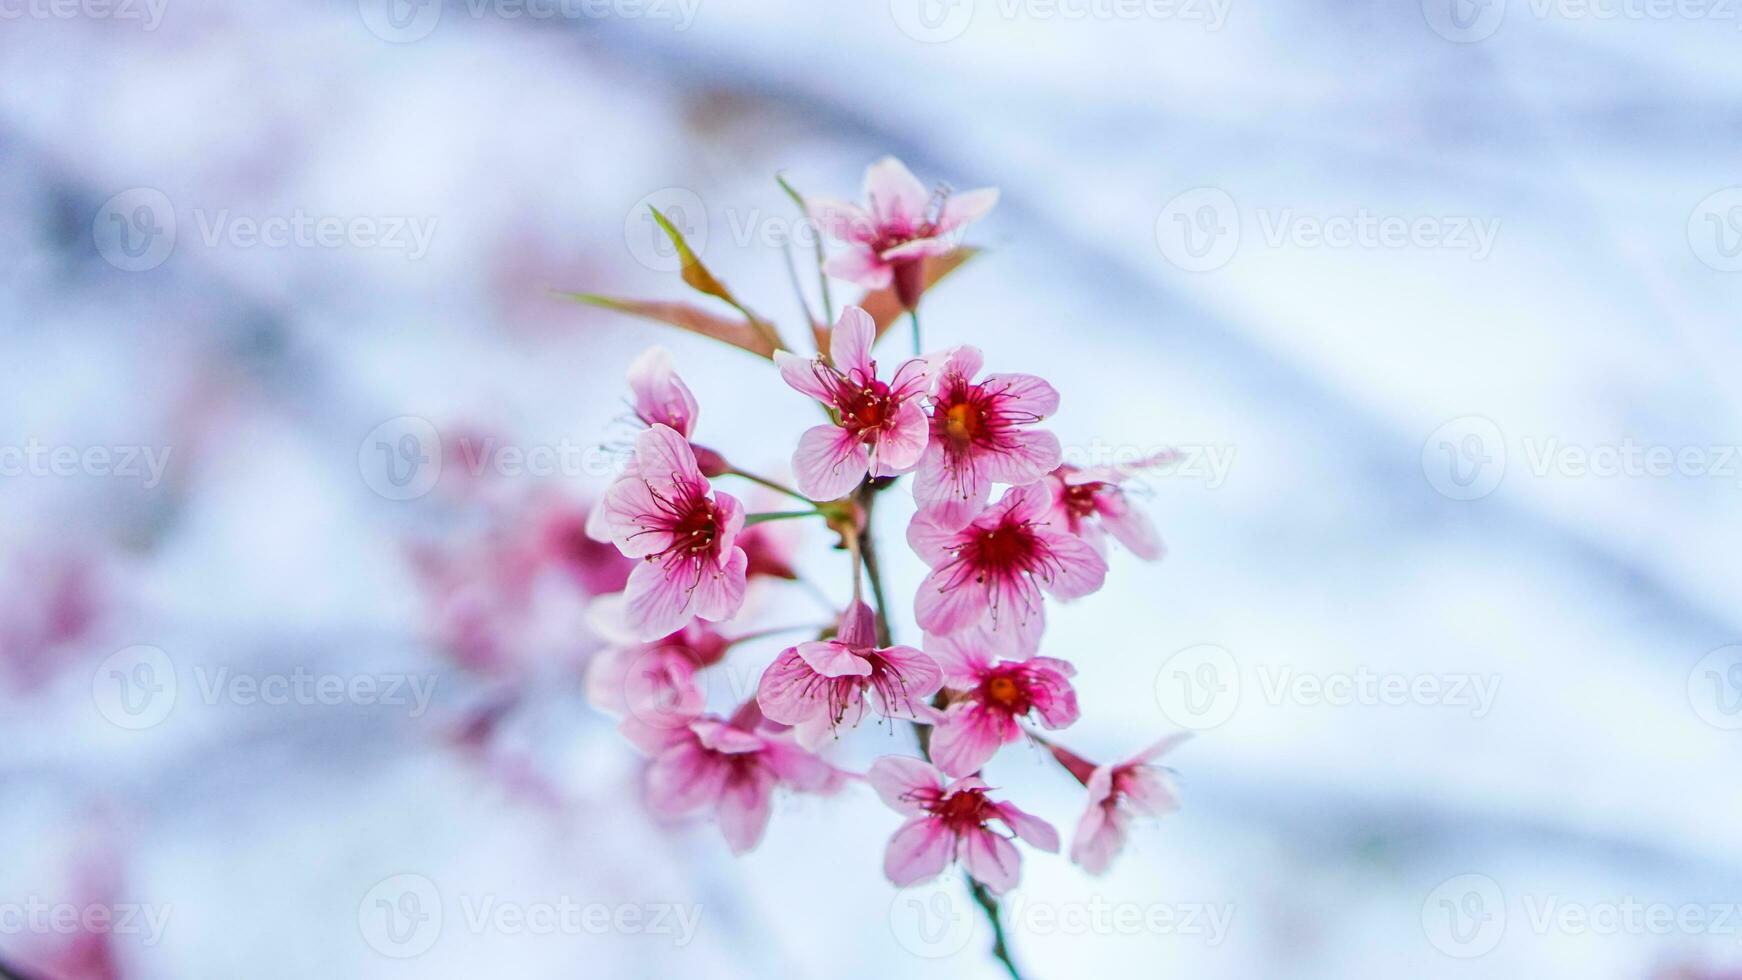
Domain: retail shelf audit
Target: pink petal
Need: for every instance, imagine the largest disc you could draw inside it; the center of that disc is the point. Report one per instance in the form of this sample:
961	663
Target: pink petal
950	491
805	375
1055	701
918	248
1100	836
1128	525
630	510
683	778
1150	792
859	265
797	767
898	199
729	514
964	361
788	690
903	782
965	206
841	220
900	446
660	395
920	849
931	540
963	657
942	609
1161	748
829	462
1078	568
743	809
850	342
719	593
969	736
1028	456
992	860
663	456
658	601
915	377
1023	394
1030	828
832	659
918	679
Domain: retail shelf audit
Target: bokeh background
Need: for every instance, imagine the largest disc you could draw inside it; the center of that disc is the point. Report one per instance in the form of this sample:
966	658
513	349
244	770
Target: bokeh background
1424	429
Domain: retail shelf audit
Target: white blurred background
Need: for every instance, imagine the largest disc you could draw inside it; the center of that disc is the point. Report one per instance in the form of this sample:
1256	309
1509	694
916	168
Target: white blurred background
1448	290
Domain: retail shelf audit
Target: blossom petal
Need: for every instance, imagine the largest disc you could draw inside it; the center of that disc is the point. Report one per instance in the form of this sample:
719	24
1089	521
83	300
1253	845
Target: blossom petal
658	598
950	489
931	540
1149	791
859	265
917	678
1077	570
1030	828
900	446
968	736
1099	837
963	657
829	462
664	456
660	395
719	591
831	659
1130	526
944	606
841	220
1025	456
850	342
964	207
629	510
805	375
788	690
744	807
685	777
1023	394
920	849
904	783
992	860
898	199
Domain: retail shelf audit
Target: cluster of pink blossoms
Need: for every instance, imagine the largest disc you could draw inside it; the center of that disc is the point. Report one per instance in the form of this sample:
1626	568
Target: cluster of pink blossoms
1002	522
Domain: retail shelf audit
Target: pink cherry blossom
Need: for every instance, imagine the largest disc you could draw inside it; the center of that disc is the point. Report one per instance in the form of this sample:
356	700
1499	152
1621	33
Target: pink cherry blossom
879	426
904	224
660	396
989	699
1116	793
819	686
1092	504
952	822
684	533
732	769
653	683
991	573
980	436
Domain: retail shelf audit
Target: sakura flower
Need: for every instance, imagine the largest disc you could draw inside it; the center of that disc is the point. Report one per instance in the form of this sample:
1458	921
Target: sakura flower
979	437
732	768
652	683
1092	504
990	697
660	396
1116	793
879	426
904	224
952	822
991	573
818	686
685	534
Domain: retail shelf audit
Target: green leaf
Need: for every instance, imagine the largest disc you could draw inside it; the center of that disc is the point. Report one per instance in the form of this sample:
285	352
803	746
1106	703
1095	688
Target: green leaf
697	276
739	333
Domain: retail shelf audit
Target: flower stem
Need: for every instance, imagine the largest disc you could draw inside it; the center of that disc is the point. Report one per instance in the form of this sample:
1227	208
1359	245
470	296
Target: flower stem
913	315
770	484
750	520
868	554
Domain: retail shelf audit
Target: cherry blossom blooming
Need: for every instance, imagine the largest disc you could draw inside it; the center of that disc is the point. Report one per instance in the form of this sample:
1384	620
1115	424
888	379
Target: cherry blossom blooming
731	768
879	426
990	697
684	534
1118	792
1092	504
980	436
889	240
820	686
991	573
653	683
952	823
660	396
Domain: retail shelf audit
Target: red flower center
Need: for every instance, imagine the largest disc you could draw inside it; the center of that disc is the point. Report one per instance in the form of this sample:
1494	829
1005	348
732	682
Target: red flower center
695	530
963	809
1004	690
864	407
1010	547
1080	499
